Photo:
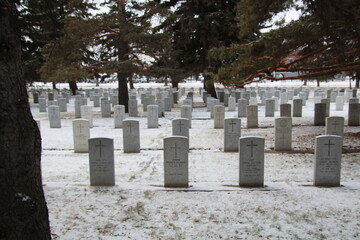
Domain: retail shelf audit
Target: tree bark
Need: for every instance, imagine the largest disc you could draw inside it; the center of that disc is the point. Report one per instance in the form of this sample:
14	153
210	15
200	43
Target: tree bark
23	211
123	50
73	86
54	85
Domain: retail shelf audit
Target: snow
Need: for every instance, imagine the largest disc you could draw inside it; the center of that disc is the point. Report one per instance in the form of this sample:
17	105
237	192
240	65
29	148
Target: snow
213	207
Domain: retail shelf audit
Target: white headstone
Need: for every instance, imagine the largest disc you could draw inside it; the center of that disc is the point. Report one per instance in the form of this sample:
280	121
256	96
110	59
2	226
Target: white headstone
180	127
176	162
101	156
131	136
153	116
335	126
54	116
251	152
327	161
252	116
119	115
283	134
186	112
86	113
81	135
219	116
232	133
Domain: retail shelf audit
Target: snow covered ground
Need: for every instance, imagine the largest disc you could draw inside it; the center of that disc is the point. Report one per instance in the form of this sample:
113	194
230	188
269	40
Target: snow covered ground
213	207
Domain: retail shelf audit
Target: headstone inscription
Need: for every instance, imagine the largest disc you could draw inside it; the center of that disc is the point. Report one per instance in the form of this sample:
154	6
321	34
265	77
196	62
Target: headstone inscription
285	110
101	159
242	105
232	133
131	136
327	161
176	162
251	156
269	107
81	135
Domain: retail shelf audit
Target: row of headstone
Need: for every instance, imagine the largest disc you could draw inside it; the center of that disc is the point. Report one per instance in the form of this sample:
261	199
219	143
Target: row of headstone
327	169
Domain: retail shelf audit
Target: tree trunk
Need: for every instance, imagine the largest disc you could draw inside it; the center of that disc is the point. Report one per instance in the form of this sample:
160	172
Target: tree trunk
23	211
209	86
131	82
357	83
305	82
123	91
175	83
123	50
73	87
54	85
318	83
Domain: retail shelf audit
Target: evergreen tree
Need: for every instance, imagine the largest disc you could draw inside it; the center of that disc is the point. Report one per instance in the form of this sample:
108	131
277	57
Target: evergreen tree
324	41
196	27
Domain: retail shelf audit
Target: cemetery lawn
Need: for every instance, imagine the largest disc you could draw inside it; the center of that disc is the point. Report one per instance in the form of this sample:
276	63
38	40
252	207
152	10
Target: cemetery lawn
213	207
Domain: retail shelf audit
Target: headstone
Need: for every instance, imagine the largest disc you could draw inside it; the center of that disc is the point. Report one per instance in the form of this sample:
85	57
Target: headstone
105	108
320	114
327	102
340	102
269	107
252	116
232	133
42	104
168	104
186	112
242	105
219	116
297	107
180	127
285	110
354	114
131	136
62	104
283	134
96	98
251	152
161	107
77	106
335	126
119	115
133	110
232	104
327	161
86	113
81	135
153	116
54	116
176	162
101	159
353	100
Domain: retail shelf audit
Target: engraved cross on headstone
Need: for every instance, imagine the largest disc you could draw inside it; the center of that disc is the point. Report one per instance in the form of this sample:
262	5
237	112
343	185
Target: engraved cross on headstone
180	124
252	145
329	146
130	126
80	127
335	124
176	148
100	146
232	125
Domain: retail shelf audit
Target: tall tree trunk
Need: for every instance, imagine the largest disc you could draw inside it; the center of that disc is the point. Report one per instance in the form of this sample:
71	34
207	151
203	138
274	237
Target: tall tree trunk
73	86
23	211
209	86
123	50
175	83
305	82
318	83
